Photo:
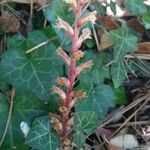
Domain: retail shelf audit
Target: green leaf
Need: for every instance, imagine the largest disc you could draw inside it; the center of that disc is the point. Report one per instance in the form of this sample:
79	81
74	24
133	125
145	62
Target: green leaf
135	7
25	108
123	43
118	74
146	20
35	72
98	100
85	124
41	136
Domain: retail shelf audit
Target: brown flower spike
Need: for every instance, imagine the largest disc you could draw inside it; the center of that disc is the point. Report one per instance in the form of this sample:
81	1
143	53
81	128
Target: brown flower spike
68	94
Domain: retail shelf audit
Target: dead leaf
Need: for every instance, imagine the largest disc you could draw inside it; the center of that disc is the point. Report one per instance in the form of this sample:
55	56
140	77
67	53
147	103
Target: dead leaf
143	48
105	42
134	23
113	147
107	22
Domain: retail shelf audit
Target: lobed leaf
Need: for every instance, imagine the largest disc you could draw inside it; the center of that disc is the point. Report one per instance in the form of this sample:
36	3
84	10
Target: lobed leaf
35	72
123	43
85	124
25	108
98	100
41	136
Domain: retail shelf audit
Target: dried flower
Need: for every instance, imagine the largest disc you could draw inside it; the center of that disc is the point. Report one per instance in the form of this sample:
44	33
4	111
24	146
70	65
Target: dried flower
61	24
60	52
67	144
70	123
79	94
84	66
77	55
59	91
85	35
90	17
9	22
62	81
56	124
63	109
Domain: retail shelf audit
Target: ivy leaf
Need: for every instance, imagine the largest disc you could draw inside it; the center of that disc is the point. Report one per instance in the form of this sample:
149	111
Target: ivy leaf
25	108
123	43
85	124
135	7
35	72
98	100
41	136
118	74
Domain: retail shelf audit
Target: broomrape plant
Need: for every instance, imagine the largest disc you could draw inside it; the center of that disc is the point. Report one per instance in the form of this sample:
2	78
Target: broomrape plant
63	123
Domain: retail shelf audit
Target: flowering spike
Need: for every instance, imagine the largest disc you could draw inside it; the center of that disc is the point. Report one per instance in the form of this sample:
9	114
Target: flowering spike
77	55
60	92
62	81
84	66
64	25
90	17
85	35
60	52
